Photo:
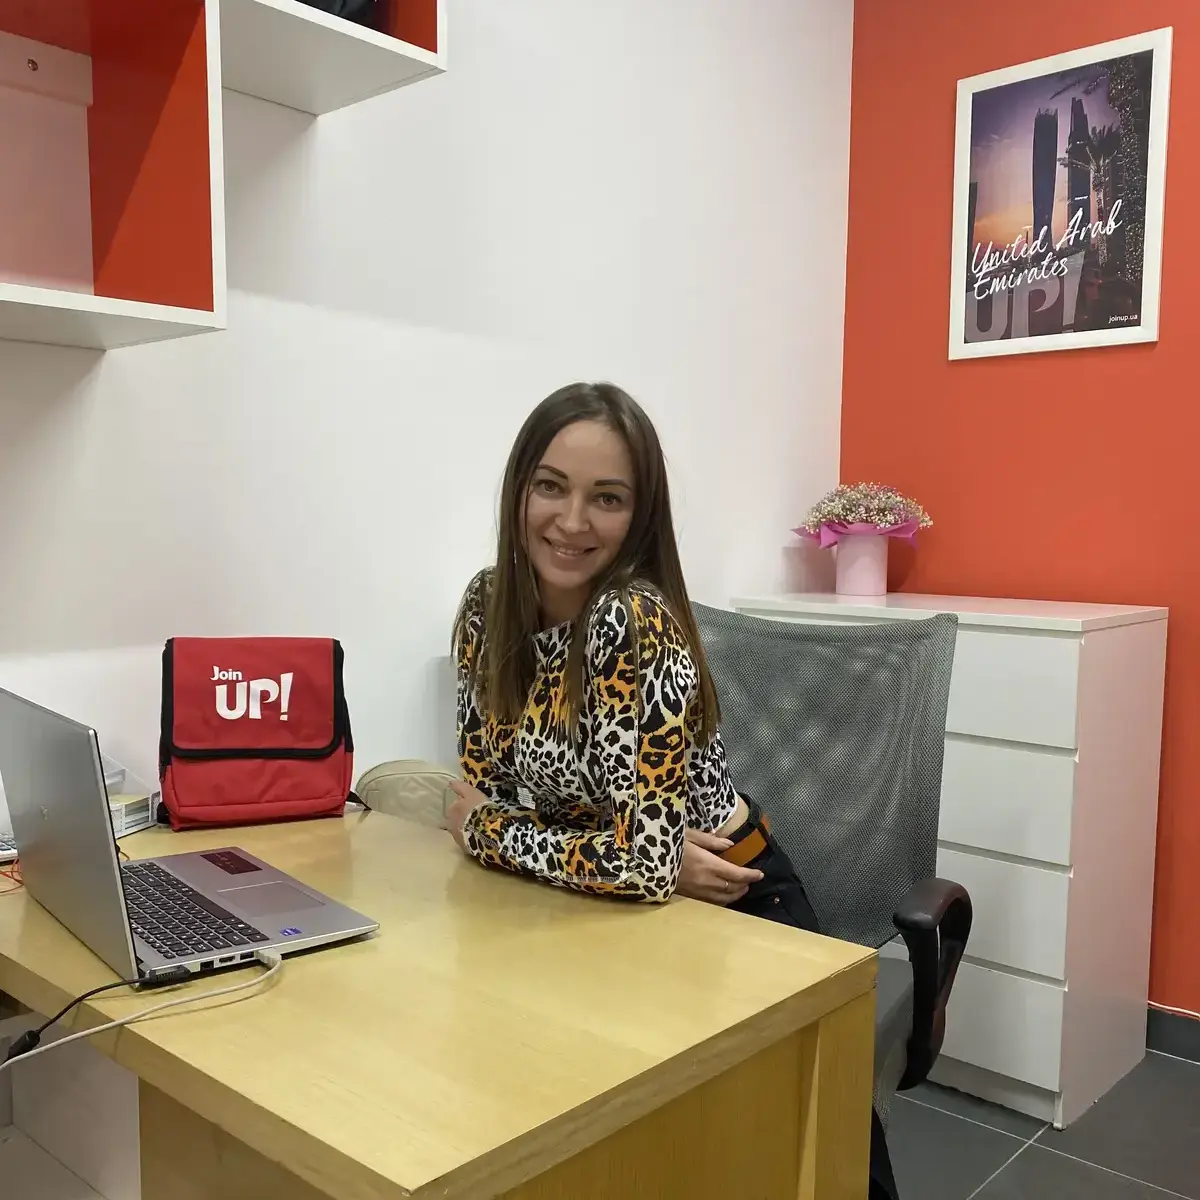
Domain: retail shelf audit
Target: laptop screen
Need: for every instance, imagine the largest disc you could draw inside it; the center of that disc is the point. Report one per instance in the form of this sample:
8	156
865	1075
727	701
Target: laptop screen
54	785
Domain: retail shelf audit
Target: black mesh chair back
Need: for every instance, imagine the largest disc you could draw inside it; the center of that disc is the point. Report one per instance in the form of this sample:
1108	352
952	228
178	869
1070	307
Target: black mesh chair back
837	730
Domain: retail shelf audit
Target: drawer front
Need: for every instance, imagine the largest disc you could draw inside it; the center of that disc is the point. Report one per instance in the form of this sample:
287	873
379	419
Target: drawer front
1020	912
1008	799
1015	687
1006	1024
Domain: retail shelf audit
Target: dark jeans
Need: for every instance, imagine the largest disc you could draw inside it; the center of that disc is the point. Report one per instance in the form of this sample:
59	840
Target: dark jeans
779	896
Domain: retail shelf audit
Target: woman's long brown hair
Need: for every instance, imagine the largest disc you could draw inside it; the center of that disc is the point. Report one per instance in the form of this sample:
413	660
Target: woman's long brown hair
504	671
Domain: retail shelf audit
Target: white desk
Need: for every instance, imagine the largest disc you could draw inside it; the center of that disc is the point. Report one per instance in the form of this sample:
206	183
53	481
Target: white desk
1049	813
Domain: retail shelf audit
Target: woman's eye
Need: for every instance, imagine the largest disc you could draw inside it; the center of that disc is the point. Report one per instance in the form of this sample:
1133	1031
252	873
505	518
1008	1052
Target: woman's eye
609	499
549	486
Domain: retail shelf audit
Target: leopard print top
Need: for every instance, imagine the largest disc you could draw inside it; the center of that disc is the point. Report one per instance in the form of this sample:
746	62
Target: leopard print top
601	808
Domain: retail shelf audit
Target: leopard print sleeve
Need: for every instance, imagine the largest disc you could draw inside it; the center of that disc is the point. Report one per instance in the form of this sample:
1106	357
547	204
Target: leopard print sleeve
640	755
475	759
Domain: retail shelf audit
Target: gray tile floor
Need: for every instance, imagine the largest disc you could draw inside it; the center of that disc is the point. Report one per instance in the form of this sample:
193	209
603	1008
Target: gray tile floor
1140	1142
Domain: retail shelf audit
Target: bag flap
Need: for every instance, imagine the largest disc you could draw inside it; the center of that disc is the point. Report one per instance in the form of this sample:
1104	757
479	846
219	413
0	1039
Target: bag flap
268	697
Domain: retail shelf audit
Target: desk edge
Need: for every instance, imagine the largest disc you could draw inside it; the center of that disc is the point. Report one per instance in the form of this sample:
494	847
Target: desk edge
537	1151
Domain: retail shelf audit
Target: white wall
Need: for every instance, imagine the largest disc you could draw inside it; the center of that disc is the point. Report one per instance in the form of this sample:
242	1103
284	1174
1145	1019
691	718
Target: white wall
652	193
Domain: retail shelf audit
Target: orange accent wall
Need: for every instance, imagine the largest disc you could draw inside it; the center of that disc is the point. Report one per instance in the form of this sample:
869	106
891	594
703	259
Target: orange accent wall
1069	475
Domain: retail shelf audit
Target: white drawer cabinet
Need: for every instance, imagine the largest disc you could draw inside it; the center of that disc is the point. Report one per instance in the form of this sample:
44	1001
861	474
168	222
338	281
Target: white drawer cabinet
1048	817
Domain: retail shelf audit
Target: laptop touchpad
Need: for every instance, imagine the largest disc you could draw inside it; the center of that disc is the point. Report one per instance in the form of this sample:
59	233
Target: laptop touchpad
261	900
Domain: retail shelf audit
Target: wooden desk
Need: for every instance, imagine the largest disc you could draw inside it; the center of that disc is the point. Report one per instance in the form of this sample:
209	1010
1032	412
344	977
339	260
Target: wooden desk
496	1038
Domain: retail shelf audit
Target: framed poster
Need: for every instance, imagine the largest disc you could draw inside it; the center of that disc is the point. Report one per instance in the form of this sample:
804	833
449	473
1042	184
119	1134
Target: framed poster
1059	172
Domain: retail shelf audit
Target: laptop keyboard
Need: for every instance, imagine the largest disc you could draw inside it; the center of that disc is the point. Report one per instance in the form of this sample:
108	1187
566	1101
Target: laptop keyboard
8	847
176	920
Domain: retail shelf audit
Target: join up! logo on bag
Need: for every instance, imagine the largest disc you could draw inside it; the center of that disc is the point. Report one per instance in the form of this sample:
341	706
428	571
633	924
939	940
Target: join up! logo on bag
248	697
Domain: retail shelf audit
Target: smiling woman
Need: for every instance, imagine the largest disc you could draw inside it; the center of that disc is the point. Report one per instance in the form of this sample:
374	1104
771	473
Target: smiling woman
587	719
576	521
585	515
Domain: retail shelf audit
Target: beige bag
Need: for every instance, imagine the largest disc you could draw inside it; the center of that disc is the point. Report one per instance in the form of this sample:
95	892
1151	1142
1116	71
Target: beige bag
409	788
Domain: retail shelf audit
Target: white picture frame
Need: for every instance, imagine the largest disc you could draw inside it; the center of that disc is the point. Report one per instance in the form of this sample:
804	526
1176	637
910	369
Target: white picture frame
1086	266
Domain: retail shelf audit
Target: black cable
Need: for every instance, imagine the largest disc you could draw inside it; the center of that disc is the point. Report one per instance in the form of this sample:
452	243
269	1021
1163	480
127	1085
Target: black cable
108	987
32	1038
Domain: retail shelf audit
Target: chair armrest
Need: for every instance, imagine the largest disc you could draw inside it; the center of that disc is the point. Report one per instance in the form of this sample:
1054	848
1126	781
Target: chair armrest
935	921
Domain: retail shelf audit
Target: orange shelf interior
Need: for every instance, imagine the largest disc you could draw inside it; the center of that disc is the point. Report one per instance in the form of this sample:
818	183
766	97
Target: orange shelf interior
413	21
148	140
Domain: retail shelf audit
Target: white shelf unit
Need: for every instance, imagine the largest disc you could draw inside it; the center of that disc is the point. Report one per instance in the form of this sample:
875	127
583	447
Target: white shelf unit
279	50
300	57
1049	812
69	1122
66	182
33	314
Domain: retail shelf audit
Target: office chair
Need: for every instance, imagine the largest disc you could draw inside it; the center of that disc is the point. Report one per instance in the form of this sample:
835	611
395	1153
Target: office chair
837	731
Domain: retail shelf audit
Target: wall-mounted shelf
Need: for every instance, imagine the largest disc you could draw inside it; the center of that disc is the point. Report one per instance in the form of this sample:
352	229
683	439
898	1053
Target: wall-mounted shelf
34	314
111	183
112	218
298	56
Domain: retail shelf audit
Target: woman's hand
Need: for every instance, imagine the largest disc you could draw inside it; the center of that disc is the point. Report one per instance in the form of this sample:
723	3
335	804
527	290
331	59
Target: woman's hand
706	876
467	798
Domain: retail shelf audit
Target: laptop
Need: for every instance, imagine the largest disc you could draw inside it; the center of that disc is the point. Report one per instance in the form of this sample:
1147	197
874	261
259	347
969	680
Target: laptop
201	910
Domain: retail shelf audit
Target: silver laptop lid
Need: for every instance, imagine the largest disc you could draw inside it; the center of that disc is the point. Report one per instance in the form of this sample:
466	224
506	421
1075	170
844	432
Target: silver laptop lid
54	783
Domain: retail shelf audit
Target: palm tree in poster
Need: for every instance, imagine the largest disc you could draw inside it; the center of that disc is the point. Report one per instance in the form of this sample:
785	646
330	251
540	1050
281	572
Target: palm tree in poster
1129	80
1099	154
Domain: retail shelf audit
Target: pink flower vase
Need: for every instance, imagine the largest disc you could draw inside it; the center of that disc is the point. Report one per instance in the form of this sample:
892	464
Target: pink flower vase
860	554
860	563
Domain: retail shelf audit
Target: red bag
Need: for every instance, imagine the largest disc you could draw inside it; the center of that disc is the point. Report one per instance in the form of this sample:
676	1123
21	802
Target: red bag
253	730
